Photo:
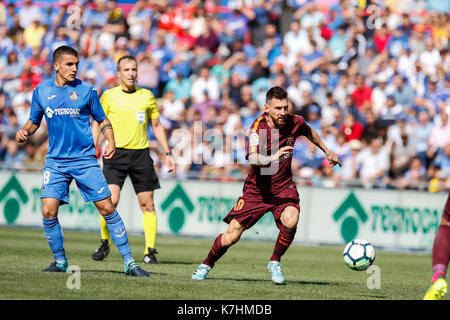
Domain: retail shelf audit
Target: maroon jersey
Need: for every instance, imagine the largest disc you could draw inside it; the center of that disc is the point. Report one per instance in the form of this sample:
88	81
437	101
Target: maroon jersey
266	141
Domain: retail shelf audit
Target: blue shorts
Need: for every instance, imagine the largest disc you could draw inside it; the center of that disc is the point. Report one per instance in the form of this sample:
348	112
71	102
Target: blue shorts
58	174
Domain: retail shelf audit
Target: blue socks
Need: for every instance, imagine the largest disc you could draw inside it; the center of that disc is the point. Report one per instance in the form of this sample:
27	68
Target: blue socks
119	235
55	238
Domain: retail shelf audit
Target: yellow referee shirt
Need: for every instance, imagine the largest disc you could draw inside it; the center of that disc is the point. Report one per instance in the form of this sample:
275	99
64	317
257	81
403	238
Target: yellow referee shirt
129	114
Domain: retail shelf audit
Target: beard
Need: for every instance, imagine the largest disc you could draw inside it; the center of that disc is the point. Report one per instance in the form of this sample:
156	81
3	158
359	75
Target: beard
278	121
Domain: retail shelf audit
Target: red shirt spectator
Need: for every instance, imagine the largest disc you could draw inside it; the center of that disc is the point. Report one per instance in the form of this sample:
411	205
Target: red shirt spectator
351	128
362	95
381	38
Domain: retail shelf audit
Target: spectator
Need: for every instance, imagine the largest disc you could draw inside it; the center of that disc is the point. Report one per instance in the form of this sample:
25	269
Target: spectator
402	93
338	43
349	170
28	13
202	83
10	74
14	155
6	43
391	111
414	178
148	75
379	94
402	154
34	33
430	57
373	163
372	127
443	160
181	87
362	95
172	109
205	45
351	128
440	135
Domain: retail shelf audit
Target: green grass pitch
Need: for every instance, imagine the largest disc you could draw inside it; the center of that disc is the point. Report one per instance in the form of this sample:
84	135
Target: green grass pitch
312	272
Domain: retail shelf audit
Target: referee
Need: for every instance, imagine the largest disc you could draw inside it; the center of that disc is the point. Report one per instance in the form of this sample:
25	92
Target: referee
130	109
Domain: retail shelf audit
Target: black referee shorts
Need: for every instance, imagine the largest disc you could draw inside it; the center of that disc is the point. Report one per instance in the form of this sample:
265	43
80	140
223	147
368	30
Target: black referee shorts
137	164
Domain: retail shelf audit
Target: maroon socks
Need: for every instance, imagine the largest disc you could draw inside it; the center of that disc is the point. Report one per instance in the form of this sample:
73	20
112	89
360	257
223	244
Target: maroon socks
216	252
441	252
285	237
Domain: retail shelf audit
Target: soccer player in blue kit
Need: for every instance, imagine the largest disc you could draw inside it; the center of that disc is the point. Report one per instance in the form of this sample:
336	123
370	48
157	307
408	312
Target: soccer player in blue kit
67	103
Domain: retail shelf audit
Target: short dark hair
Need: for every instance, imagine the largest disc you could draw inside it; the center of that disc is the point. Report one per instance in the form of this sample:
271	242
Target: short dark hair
125	58
64	50
277	93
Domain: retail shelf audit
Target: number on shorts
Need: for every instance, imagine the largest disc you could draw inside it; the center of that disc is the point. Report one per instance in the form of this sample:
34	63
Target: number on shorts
239	205
46	177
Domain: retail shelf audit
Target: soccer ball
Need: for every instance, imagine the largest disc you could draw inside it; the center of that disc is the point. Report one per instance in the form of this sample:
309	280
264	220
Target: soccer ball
359	254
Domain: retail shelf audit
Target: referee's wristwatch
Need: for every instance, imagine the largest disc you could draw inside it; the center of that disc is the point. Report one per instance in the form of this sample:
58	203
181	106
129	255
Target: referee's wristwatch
168	153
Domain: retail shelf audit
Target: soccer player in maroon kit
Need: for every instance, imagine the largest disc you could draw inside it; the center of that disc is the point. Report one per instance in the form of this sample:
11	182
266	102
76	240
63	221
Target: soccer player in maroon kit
440	257
269	185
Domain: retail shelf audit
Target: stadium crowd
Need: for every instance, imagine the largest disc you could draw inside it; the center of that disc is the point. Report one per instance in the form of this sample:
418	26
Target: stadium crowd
374	84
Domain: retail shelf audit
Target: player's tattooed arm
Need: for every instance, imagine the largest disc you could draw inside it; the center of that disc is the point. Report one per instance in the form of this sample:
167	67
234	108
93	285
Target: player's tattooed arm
105	127
107	130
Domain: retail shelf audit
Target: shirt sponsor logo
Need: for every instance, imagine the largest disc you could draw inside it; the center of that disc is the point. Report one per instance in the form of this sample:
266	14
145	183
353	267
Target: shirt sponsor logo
72	112
49	112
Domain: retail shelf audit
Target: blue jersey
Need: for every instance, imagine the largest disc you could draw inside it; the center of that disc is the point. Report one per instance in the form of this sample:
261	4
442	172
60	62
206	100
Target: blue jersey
67	110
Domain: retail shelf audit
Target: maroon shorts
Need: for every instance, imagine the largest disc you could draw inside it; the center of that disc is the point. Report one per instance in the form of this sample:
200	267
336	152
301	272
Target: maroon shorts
251	206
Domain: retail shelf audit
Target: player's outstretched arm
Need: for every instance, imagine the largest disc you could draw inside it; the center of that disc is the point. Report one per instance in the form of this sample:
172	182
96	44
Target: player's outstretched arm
28	129
107	130
160	134
332	157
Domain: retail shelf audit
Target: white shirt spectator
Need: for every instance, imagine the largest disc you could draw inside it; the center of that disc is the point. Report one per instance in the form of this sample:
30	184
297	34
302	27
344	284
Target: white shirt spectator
204	83
406	64
27	13
440	136
373	162
429	59
172	109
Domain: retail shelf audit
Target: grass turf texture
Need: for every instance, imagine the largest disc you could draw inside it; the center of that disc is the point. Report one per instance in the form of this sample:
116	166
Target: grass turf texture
312	272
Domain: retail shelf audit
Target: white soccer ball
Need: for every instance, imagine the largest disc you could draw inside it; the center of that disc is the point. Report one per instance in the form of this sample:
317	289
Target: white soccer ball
359	254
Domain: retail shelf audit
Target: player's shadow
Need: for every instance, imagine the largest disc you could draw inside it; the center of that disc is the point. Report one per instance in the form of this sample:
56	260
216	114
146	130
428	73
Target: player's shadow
180	262
373	296
121	272
288	282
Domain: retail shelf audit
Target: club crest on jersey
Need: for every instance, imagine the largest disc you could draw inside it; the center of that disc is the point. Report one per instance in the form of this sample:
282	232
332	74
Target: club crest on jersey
74	96
290	141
